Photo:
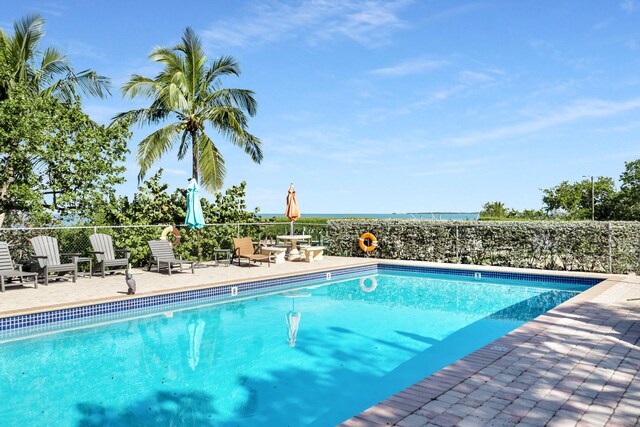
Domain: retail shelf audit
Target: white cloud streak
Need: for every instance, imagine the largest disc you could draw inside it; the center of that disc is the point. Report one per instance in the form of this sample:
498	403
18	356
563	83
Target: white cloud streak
593	108
628	6
415	66
368	22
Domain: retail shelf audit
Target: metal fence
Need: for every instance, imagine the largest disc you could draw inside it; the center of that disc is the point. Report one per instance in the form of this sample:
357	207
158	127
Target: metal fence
134	237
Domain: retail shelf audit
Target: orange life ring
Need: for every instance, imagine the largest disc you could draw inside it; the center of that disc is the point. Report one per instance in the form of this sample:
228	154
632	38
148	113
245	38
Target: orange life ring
176	233
372	238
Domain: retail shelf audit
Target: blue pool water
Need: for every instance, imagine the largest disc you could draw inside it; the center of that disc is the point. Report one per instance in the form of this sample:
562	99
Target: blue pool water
231	364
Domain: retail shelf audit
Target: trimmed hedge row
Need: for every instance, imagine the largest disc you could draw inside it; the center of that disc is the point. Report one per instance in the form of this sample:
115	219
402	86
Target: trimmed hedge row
575	246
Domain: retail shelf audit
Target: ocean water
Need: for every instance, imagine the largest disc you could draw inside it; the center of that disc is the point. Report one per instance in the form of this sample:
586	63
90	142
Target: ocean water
358	341
430	215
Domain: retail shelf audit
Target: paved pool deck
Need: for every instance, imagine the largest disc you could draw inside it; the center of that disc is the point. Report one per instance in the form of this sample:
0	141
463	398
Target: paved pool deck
578	364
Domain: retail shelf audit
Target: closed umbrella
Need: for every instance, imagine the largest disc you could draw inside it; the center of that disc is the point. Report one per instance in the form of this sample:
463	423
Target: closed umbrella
195	219
196	330
292	211
292	318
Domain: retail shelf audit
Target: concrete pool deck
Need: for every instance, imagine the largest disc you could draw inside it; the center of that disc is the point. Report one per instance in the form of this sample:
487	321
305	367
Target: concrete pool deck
577	364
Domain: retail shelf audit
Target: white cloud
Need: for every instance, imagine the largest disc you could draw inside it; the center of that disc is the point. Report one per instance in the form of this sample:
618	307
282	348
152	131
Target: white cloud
453	167
628	6
415	66
53	9
369	22
602	24
550	50
592	108
79	48
471	77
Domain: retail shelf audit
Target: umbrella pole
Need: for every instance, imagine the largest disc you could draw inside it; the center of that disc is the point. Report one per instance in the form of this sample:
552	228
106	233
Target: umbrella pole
291	228
199	264
199	251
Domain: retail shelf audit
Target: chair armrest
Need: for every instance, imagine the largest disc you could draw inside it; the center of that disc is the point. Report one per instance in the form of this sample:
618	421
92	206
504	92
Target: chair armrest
95	252
70	254
126	252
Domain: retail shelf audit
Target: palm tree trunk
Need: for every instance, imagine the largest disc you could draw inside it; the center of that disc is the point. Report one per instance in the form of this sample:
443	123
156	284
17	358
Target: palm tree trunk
194	154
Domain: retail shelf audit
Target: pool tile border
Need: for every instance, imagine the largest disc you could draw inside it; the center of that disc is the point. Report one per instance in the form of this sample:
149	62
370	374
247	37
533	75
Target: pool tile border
26	324
547	278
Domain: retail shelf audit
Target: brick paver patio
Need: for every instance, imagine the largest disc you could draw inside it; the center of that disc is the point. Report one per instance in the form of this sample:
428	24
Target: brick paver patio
578	364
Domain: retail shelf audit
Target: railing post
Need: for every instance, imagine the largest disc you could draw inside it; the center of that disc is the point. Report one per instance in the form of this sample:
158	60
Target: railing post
610	249
238	232
457	245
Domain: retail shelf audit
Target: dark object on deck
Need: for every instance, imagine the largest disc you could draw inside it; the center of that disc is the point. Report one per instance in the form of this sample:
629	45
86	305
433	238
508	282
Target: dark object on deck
106	255
131	283
9	270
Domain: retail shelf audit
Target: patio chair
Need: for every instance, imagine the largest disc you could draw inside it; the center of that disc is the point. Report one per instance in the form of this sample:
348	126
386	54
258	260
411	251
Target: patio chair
162	253
243	248
8	269
106	255
48	256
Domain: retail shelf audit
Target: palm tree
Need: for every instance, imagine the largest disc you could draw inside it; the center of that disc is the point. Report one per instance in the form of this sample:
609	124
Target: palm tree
43	73
188	89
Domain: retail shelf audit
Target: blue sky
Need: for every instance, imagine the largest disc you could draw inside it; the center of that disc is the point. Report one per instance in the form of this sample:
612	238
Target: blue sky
389	106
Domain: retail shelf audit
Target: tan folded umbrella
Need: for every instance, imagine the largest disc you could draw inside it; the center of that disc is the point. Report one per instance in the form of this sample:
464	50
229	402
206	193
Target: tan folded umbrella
292	211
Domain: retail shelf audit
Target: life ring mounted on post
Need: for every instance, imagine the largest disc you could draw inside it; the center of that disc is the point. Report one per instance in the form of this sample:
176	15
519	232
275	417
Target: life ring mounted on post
368	242
173	230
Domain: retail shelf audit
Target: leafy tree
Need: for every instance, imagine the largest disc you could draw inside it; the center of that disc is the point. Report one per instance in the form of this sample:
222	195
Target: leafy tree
47	72
189	91
153	204
494	210
55	162
574	199
628	200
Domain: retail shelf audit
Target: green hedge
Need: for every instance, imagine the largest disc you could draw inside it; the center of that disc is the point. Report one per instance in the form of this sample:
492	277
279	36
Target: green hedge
575	246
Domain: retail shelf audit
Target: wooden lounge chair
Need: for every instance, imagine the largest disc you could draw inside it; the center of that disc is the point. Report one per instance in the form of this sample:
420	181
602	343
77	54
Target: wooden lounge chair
243	248
8	269
48	256
106	255
162	253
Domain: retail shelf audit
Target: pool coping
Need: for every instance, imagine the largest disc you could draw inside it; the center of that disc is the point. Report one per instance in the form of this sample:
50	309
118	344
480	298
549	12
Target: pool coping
411	406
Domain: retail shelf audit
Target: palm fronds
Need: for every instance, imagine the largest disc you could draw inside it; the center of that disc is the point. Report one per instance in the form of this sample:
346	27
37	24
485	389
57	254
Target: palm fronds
189	90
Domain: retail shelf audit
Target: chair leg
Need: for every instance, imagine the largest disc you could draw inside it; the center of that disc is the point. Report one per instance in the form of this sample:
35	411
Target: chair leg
169	267
1	283
35	281
75	274
46	275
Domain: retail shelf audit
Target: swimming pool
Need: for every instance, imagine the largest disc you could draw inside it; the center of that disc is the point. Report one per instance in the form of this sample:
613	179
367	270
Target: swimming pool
358	341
